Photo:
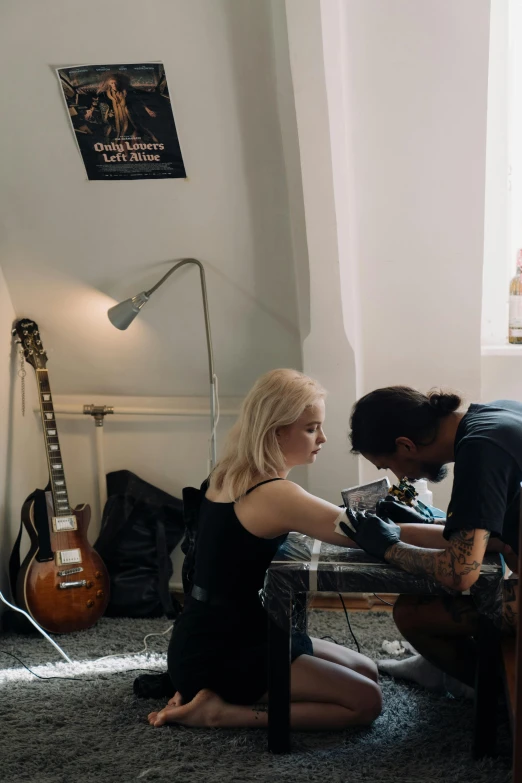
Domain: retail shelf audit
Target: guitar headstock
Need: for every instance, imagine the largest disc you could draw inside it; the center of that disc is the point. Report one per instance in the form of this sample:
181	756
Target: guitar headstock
29	336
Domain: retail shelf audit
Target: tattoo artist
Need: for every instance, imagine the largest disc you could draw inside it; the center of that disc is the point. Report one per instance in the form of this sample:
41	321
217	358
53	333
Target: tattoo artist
416	436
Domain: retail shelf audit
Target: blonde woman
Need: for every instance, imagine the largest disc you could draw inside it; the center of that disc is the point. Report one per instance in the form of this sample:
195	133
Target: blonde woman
218	651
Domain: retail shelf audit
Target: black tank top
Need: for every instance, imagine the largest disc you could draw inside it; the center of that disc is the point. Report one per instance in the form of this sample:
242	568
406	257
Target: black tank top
230	561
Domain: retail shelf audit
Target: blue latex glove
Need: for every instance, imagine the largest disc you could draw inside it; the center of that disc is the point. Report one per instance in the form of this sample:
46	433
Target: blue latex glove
371	533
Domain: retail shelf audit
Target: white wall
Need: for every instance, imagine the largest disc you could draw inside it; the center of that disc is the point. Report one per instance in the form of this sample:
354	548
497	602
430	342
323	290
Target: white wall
336	159
6	434
70	245
328	353
416	94
499	260
22	456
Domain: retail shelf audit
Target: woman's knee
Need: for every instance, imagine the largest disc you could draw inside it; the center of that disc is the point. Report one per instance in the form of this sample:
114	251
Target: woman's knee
350	659
371	704
367	668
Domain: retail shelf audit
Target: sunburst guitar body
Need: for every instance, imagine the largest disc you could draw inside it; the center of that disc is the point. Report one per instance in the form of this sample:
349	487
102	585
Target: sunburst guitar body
63	583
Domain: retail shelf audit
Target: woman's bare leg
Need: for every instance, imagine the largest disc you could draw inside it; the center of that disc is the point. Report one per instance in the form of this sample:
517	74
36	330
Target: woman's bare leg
325	695
336	653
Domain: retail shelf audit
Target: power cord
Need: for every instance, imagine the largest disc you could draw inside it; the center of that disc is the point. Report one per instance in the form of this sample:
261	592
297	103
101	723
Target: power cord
119	655
82	679
66	657
382	600
349	624
348	621
38	628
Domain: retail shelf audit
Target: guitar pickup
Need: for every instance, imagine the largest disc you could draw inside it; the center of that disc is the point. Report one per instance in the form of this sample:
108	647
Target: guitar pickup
70	571
64	523
67	585
68	556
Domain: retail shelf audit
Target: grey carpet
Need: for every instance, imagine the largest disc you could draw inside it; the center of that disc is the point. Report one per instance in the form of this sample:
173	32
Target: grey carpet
63	731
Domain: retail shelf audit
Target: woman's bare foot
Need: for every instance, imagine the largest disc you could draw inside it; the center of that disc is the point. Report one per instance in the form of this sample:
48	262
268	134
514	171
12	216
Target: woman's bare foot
204	710
177	700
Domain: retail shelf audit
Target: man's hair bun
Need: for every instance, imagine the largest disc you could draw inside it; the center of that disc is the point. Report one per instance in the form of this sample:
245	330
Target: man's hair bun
444	403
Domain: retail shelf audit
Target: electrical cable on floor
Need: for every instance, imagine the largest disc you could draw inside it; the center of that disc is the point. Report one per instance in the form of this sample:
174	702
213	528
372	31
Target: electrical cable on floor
38	628
382	600
90	679
349	624
83	679
119	655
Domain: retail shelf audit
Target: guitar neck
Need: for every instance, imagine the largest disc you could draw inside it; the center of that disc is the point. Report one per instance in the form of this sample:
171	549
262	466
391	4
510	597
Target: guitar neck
52	444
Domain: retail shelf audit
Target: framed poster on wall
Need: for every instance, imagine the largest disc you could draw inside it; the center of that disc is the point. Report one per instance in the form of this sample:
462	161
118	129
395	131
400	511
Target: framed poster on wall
122	118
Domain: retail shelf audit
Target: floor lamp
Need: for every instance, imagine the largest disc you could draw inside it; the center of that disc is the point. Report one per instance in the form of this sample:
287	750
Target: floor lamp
123	314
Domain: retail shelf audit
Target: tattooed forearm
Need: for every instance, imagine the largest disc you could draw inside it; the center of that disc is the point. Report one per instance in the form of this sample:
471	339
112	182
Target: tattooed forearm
456	567
414	560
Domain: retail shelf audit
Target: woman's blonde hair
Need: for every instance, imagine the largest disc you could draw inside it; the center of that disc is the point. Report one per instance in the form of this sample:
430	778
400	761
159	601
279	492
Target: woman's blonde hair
278	398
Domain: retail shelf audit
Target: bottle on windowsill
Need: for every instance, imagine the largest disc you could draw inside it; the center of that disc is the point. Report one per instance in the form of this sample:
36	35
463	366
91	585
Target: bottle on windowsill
515	303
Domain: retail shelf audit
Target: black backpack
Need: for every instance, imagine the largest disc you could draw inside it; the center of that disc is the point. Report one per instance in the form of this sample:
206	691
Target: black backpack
141	525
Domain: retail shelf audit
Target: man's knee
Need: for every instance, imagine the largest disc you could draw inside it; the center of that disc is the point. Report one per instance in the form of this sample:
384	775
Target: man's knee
404	612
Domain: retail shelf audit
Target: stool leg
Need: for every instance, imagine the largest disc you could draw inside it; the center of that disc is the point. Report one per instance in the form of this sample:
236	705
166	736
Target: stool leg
279	654
486	689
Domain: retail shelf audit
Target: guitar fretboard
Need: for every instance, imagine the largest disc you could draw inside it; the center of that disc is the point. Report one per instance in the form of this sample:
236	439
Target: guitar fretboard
54	454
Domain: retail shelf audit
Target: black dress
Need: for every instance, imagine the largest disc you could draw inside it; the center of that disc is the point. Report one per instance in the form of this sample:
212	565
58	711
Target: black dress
221	643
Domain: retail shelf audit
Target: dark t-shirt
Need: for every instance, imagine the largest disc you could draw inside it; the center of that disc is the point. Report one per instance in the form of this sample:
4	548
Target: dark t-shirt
488	471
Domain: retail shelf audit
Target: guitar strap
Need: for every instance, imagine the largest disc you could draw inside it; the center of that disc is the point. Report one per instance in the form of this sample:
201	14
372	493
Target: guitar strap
44	537
14	561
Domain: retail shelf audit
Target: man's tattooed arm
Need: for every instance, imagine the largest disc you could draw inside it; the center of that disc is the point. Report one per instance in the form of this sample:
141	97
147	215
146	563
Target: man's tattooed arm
457	567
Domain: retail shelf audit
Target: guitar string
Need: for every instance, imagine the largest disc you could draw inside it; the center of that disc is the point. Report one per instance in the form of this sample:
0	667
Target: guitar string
61	537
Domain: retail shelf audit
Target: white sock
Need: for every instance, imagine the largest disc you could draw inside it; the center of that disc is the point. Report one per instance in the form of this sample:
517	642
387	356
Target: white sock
417	669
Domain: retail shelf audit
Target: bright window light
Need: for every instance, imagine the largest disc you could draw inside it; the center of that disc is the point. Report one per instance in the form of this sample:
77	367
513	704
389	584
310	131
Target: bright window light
503	198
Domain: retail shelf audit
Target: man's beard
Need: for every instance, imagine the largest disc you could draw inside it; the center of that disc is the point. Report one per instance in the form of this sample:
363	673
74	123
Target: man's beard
434	472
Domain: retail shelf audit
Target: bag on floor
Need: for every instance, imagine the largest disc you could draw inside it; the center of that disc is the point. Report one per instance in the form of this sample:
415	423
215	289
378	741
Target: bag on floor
141	525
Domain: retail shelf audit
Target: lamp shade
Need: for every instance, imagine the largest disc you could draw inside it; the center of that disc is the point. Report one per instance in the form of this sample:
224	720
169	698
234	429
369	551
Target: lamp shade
124	313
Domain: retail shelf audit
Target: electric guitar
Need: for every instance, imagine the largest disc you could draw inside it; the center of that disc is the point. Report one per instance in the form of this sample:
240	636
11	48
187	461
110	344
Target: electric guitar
62	583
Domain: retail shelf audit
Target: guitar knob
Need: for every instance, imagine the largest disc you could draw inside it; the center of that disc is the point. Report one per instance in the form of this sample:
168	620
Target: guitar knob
99	594
98	574
89	584
90	604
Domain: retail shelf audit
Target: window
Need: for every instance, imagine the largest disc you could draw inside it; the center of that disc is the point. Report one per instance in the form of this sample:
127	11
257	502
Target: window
503	202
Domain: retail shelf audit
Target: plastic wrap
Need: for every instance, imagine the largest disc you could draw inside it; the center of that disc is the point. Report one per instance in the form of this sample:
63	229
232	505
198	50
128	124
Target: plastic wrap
303	566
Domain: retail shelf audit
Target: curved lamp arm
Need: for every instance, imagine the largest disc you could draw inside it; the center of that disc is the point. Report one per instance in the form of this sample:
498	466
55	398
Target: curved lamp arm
123	314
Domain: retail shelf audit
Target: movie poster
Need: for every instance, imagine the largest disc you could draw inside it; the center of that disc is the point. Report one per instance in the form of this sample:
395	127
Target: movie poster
122	119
